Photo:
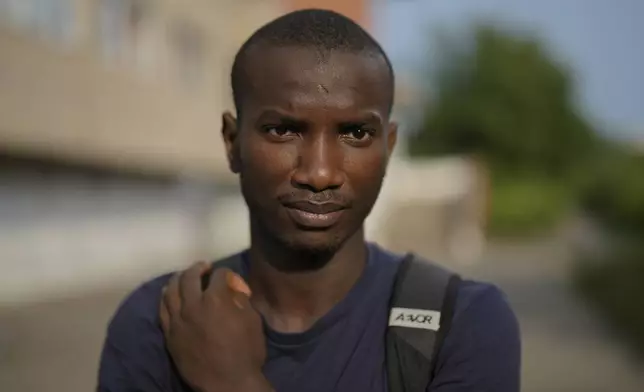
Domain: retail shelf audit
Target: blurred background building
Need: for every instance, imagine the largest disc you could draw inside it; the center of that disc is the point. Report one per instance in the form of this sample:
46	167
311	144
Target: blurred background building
109	134
112	168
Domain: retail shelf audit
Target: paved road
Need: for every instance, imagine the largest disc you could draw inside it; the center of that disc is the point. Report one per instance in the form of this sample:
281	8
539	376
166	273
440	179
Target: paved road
54	347
565	348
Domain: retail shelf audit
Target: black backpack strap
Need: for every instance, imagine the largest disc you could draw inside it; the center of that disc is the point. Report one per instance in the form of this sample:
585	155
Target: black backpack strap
421	309
232	262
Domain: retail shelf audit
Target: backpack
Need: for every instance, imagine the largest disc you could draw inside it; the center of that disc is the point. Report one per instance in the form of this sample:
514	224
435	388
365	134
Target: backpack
421	309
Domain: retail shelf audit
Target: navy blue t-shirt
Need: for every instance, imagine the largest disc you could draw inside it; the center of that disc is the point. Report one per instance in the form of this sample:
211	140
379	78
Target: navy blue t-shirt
343	352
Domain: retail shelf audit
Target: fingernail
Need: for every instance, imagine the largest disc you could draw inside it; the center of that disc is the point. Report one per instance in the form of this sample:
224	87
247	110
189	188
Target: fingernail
238	284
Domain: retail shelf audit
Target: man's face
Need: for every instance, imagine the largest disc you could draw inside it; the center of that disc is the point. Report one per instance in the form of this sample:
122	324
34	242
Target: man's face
313	144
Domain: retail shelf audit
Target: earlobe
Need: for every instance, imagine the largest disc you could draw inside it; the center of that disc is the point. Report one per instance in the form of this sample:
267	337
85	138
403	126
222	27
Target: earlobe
229	132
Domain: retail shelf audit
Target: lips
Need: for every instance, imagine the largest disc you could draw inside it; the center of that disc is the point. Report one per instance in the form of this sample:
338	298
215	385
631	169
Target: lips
319	216
315	208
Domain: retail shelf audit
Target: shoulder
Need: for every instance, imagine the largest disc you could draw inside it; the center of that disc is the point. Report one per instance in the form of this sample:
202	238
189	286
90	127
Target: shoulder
482	349
140	307
134	353
486	306
482	310
476	299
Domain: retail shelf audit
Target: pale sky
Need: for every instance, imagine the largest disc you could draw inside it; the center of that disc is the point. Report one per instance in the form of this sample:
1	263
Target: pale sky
603	40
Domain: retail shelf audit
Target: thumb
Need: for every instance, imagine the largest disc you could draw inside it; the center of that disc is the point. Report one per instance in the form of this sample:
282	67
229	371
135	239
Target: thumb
237	283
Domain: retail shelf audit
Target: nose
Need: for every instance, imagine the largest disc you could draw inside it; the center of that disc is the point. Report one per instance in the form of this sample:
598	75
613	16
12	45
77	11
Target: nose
319	164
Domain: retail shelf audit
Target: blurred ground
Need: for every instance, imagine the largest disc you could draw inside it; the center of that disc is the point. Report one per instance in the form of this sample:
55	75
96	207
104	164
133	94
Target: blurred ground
55	347
564	346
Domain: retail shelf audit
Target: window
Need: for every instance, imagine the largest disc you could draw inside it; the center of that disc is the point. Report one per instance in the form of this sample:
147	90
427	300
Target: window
53	20
110	27
188	52
56	20
18	13
127	32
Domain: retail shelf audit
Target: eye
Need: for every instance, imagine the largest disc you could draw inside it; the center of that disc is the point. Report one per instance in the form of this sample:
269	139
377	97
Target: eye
280	131
357	133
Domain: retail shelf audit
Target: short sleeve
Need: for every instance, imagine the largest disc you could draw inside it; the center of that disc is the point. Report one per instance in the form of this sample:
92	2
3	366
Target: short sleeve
134	358
482	351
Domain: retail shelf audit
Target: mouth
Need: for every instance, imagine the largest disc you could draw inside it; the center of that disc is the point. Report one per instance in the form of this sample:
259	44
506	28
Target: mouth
314	216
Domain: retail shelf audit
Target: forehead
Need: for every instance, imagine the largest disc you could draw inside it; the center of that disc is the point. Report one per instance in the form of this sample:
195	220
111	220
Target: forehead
299	80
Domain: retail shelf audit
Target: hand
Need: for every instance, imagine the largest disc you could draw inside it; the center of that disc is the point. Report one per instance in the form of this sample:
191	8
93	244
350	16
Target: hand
214	336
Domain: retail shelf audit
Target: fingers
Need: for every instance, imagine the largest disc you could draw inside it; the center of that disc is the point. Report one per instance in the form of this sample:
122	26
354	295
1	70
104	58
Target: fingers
186	288
237	283
227	285
240	290
218	285
164	316
171	296
190	287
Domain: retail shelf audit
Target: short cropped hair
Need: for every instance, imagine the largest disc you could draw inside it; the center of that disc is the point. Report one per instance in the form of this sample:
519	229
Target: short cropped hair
321	30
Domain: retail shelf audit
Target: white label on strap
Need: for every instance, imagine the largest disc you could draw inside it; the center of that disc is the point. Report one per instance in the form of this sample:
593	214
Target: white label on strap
415	318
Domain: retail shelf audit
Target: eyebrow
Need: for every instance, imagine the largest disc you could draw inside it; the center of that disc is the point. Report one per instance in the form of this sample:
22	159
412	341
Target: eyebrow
368	116
281	115
371	116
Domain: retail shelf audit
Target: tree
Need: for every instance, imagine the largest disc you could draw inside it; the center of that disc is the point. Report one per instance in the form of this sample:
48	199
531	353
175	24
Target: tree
503	98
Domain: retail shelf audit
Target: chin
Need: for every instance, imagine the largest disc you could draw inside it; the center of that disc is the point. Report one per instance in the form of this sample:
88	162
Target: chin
313	242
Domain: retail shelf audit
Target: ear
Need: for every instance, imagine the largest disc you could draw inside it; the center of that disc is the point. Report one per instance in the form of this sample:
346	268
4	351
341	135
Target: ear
392	137
229	133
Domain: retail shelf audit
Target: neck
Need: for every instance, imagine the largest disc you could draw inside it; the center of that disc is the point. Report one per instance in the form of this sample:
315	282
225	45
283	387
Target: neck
292	299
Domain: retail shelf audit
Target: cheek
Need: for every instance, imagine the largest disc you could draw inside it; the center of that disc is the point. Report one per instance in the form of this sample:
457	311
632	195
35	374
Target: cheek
366	170
266	162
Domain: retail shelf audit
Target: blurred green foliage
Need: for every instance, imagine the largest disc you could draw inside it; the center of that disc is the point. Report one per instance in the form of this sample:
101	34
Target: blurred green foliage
528	205
613	284
503	99
615	195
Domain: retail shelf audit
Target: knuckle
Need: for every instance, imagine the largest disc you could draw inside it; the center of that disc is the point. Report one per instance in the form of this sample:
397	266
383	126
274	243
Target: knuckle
185	313
213	300
174	327
220	273
167	296
189	310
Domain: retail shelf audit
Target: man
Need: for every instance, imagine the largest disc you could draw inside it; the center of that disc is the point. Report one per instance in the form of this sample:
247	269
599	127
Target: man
309	308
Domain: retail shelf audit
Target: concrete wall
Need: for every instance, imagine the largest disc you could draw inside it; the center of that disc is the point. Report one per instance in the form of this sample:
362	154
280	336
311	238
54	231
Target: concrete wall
433	207
66	231
130	106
